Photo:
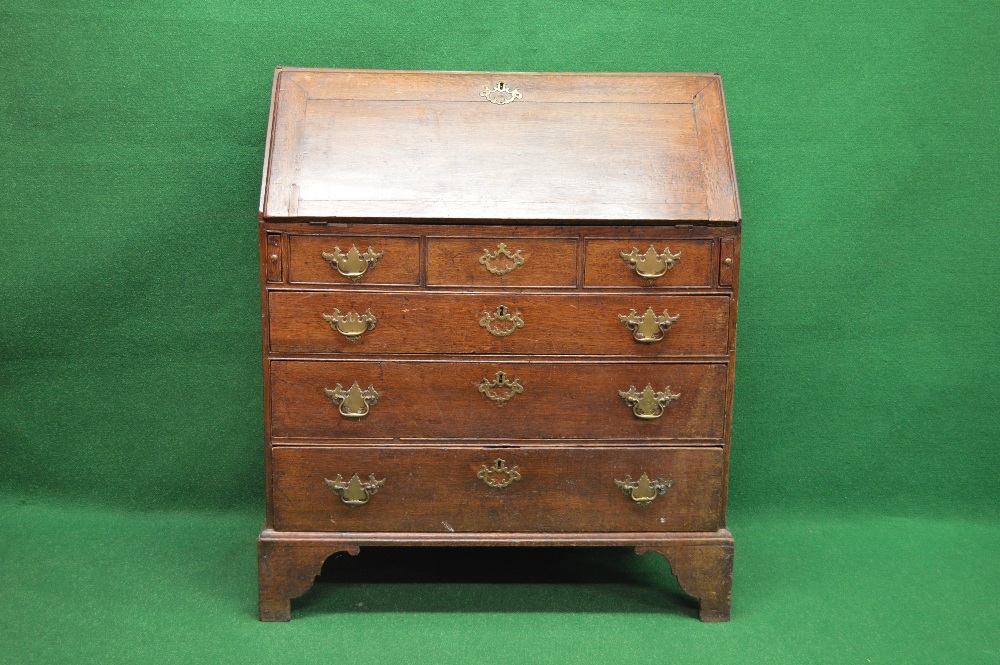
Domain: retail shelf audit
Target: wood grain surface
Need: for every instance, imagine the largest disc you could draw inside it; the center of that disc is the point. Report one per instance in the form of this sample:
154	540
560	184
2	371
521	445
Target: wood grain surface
560	490
433	399
456	262
605	267
443	323
426	145
400	263
575	170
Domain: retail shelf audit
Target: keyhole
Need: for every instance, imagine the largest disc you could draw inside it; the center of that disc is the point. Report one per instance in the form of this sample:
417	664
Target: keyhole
501	85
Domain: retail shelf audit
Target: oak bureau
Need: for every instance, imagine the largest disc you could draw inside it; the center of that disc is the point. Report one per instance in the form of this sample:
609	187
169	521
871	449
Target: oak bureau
498	309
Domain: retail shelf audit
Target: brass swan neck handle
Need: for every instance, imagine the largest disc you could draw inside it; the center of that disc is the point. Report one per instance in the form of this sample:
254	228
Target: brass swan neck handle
651	265
353	264
644	490
648	404
353	402
354	492
649	327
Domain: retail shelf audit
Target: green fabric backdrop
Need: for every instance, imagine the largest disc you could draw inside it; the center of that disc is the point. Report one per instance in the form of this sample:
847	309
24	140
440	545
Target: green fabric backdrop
866	145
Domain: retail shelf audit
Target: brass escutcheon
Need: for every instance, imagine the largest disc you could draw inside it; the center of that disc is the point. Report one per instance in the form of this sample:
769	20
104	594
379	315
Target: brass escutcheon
514	260
354	402
508	388
649	327
647	404
498	475
651	265
353	265
644	490
354	492
351	325
500	94
508	322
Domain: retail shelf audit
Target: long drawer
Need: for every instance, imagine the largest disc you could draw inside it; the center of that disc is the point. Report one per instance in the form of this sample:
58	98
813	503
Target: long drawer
352	321
465	489
497	400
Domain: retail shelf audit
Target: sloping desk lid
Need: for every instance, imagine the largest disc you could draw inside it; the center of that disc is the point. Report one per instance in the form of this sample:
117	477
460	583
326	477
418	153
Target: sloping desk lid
469	145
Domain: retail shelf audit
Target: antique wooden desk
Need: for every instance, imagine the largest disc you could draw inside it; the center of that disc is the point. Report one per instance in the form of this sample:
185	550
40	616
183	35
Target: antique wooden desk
498	309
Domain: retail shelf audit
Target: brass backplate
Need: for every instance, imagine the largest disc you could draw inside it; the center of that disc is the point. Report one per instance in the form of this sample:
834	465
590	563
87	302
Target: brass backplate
498	475
651	264
351	324
353	264
501	388
647	403
644	490
353	402
511	260
355	492
649	327
501	322
500	94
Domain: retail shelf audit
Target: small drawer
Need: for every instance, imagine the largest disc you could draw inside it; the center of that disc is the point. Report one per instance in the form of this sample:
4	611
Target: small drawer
355	321
327	259
519	489
500	262
517	399
683	263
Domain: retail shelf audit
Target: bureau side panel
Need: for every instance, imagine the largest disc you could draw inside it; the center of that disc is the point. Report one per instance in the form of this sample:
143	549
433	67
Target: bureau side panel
733	247
266	268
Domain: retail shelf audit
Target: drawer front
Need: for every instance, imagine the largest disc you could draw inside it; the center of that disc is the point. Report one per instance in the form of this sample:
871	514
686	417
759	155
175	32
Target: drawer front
391	261
419	399
331	322
445	489
692	267
501	262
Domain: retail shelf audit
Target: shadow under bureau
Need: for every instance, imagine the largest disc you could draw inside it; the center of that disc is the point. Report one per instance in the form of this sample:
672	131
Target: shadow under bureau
498	309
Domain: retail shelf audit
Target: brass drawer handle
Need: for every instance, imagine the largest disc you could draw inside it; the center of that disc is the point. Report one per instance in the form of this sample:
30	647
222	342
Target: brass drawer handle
644	490
354	402
351	325
508	322
508	388
647	404
651	265
354	264
354	492
649	327
514	260
498	475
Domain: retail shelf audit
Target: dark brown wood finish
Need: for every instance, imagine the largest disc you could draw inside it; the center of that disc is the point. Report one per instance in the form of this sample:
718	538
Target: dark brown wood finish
443	323
424	170
287	569
400	263
605	267
413	145
458	262
290	561
704	571
559	490
438	399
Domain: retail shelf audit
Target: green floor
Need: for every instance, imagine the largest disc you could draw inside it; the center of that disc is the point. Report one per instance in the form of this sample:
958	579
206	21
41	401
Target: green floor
92	586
